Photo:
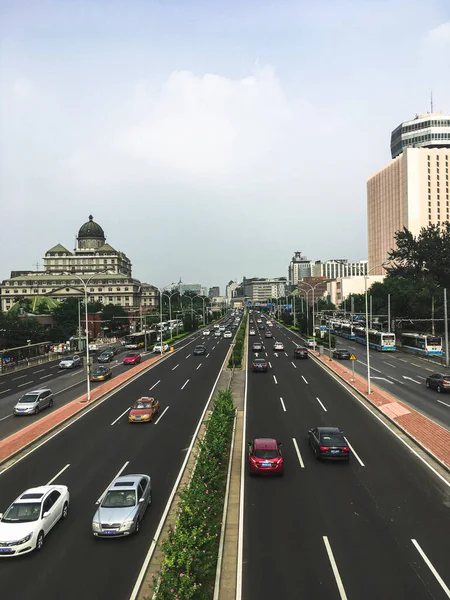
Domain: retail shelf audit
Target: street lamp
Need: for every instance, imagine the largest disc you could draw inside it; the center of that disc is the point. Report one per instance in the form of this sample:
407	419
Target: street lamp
203	298
170	305
161	290
85	284
313	287
305	293
367	324
293	302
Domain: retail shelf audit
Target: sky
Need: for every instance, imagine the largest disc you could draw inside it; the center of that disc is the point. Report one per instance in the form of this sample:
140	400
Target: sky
211	139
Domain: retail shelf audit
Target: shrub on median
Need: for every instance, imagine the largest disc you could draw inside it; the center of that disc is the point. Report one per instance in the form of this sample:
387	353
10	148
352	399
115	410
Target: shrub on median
235	360
190	550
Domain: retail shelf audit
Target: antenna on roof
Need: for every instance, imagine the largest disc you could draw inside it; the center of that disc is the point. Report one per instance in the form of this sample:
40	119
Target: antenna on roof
431	100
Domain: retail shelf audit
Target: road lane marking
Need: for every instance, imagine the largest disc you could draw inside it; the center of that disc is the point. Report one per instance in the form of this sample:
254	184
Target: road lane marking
11	415
382	379
74	374
161	415
371	368
397	380
432	569
445	403
68	387
420	377
285	353
212	348
4	391
26	383
304	380
411	379
120	416
190	355
321	404
175	367
294	365
282	404
111	482
300	459
45	376
389	364
198	367
207	355
40	371
427	369
57	474
333	564
403	360
154	385
270	364
416	365
185	384
55	367
274	378
21	377
354	452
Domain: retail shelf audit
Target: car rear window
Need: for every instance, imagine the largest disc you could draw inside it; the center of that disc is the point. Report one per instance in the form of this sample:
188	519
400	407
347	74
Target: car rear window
266	453
332	439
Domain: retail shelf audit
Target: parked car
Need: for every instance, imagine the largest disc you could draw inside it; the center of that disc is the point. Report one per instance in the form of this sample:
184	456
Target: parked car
70	362
439	382
260	364
265	457
32	402
143	410
300	352
101	373
329	443
123	506
30	517
132	358
278	347
160	348
341	354
199	350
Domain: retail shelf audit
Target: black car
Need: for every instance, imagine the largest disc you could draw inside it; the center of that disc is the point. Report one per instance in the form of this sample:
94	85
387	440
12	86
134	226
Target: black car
199	350
329	443
257	347
300	352
341	354
261	326
439	382
105	356
268	334
260	364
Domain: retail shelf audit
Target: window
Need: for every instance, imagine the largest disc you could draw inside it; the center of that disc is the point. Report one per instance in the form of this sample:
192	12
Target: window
34	292
91	289
126	289
105	261
118	289
110	289
100	298
44	291
110	299
7	291
100	289
24	291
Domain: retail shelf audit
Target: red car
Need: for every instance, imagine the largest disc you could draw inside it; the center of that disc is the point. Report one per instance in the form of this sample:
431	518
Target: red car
265	457
132	358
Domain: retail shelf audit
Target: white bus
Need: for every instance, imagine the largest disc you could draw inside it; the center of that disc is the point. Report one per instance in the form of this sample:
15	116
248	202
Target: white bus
423	343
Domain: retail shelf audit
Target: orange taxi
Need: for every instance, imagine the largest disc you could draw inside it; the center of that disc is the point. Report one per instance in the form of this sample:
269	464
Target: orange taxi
143	410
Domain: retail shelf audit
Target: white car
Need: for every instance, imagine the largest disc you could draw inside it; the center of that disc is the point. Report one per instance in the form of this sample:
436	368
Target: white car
252	332
157	348
227	334
206	332
278	346
222	328
30	517
70	362
217	333
310	343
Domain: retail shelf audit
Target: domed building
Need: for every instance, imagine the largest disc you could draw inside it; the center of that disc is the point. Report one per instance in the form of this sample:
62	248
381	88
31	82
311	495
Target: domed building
108	271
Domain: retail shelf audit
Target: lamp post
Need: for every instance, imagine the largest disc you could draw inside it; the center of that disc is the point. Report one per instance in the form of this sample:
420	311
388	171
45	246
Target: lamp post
293	303
85	284
367	324
170	306
306	292
313	287
203	299
161	290
446	328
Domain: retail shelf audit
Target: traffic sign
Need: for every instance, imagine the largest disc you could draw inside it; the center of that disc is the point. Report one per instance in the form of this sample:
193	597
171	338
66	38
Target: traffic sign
352	357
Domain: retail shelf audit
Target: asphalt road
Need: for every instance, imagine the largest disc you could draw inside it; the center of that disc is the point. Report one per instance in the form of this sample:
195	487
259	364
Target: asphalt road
73	564
337	530
65	384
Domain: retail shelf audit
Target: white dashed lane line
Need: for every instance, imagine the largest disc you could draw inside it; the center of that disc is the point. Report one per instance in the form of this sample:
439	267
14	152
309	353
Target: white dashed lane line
185	384
26	383
175	367
270	365
294	365
161	415
274	378
354	452
117	475
432	569
58	474
16	378
321	404
120	416
334	568
40	371
155	384
45	376
282	404
189	355
304	380
198	367
299	456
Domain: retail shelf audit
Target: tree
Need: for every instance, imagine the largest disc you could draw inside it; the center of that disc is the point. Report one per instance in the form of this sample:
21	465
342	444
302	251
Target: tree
65	317
113	316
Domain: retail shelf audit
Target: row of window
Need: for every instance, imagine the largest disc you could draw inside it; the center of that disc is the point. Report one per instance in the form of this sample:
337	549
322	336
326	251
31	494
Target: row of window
64	282
426	124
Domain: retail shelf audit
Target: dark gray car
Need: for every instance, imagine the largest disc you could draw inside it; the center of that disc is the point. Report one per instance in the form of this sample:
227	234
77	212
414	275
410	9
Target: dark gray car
122	507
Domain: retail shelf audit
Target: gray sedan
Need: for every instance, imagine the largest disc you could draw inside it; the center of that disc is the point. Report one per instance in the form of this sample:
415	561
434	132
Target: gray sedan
122	506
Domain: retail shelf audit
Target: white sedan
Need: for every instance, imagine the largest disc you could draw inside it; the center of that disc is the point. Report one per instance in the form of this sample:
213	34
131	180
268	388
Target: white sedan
227	334
30	517
278	346
206	332
157	348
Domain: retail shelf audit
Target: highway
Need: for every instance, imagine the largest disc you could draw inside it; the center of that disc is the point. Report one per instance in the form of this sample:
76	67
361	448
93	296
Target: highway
65	384
374	528
73	564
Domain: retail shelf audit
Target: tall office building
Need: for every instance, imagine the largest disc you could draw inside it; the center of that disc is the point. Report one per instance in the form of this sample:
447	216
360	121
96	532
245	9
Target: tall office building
299	267
214	291
412	190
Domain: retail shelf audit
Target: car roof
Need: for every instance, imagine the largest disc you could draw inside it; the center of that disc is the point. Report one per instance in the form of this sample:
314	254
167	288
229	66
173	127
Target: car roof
269	443
37	493
39	391
329	430
127	482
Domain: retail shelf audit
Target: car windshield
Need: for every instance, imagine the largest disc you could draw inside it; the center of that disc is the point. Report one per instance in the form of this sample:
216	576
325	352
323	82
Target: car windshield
259	361
332	438
119	499
130	356
266	453
22	512
29	398
70	358
99	370
142	405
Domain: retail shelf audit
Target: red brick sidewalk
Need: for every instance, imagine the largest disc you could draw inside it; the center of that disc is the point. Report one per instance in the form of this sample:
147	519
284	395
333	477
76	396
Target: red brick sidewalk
26	436
431	436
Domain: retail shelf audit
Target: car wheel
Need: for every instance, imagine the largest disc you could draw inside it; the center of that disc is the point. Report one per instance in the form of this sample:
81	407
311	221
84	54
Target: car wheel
316	454
50	404
36	410
40	541
65	511
137	526
439	389
427	384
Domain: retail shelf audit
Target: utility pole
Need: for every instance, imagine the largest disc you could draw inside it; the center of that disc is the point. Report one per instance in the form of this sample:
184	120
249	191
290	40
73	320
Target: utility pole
446	329
389	313
432	316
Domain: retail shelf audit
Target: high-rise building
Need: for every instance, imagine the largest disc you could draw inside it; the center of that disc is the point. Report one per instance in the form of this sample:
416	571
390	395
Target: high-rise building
259	289
214	291
299	267
230	290
412	190
190	287
331	269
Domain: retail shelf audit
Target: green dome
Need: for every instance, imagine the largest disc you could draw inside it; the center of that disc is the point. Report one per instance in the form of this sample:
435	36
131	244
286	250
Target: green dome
91	230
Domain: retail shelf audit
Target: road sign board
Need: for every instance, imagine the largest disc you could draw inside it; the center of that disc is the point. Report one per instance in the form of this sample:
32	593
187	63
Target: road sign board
352	357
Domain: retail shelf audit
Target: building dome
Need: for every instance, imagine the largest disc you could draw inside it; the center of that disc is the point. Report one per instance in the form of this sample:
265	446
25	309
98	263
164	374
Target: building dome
91	230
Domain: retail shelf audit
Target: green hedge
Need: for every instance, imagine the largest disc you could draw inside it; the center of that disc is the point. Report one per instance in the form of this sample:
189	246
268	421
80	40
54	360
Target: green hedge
190	551
237	354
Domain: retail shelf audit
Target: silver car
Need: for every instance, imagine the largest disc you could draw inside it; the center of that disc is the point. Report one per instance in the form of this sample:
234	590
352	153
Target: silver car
123	506
70	362
32	402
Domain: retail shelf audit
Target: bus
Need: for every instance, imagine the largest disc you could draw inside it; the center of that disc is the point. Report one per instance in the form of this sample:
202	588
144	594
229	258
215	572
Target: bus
344	329
378	340
422	343
137	340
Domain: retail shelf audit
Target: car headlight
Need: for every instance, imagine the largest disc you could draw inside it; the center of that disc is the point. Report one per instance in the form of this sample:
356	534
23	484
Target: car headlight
23	540
145	416
96	526
126	525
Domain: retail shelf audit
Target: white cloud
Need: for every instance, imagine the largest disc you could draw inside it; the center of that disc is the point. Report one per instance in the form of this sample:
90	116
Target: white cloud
440	34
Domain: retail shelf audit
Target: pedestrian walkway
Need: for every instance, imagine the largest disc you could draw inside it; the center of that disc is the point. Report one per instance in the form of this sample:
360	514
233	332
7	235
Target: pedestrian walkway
433	438
28	435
